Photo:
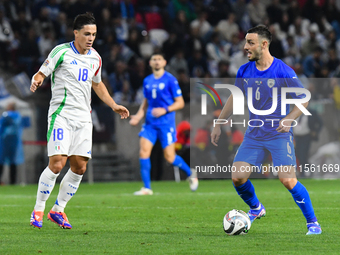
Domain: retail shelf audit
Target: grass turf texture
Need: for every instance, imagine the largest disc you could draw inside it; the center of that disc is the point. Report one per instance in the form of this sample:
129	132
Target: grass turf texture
108	219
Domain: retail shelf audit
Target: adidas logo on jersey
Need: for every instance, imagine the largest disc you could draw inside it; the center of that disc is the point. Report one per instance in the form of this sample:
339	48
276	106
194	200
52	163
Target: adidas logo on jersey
74	62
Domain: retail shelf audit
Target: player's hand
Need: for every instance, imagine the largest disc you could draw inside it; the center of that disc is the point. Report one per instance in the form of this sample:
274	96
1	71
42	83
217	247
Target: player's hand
121	110
284	128
134	120
35	84
215	135
158	112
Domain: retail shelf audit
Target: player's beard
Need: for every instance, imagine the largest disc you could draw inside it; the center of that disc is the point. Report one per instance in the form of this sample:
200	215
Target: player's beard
256	55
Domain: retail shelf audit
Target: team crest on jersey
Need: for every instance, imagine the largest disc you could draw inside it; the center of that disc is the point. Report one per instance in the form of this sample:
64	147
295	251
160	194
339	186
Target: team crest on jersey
46	63
161	86
271	83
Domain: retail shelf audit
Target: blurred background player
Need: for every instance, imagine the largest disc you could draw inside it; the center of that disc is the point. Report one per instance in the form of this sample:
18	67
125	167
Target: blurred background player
163	97
75	68
11	149
275	138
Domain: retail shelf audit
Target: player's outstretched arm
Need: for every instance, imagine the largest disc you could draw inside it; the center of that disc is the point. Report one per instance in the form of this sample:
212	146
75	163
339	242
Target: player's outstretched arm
225	114
177	105
135	119
101	91
37	81
286	122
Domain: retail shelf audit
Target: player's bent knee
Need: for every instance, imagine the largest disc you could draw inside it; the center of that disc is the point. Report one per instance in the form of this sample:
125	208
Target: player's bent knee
169	158
79	170
238	181
289	183
56	166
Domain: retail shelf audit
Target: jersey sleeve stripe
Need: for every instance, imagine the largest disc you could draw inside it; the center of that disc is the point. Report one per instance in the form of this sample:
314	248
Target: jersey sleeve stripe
100	64
55	52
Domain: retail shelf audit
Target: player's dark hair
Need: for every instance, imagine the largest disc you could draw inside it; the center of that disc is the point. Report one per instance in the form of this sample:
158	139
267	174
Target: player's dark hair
262	31
157	53
83	19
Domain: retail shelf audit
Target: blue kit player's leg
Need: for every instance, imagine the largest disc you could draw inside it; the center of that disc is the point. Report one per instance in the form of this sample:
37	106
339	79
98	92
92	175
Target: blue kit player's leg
148	137
167	137
283	155
249	157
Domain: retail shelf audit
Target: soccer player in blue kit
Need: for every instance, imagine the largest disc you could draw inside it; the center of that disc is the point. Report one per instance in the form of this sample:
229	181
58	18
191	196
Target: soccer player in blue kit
262	73
163	97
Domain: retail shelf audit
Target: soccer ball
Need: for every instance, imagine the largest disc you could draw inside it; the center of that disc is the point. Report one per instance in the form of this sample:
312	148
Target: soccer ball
236	222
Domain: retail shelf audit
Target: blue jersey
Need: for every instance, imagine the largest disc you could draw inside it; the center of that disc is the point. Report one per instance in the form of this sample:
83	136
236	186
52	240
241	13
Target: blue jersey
278	75
161	92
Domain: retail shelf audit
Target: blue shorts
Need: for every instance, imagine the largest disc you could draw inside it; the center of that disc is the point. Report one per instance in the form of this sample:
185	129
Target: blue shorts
166	134
255	152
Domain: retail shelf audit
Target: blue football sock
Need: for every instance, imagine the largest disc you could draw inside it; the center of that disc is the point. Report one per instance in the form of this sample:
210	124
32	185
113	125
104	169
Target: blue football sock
302	199
182	165
247	192
145	169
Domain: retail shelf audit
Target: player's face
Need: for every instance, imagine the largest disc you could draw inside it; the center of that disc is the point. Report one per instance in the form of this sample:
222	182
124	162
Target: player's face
157	62
85	36
253	47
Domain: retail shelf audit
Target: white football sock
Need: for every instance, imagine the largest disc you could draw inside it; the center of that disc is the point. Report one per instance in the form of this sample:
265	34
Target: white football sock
67	189
45	186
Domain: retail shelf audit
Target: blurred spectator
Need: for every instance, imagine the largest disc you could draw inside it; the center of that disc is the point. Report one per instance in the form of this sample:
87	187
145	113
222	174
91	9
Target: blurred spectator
11	149
137	76
178	62
227	28
312	64
184	83
236	138
183	5
302	77
299	30
218	10
21	25
44	21
28	53
133	41
275	47
223	69
312	43
171	46
216	51
275	12
53	9
240	10
284	24
121	28
194	43
6	36
202	24
235	45
291	51
293	11
120	83
61	31
181	26
197	64
256	11
238	59
146	48
182	145
306	131
46	43
333	61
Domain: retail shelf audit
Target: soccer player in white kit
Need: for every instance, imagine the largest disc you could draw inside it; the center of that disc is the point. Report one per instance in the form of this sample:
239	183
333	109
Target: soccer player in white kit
74	67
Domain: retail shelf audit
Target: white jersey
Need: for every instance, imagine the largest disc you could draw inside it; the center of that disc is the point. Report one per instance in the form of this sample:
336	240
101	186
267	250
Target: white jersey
72	74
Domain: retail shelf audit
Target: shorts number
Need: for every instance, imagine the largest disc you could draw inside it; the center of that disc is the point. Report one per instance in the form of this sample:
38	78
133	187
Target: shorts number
58	133
257	94
83	77
154	94
289	149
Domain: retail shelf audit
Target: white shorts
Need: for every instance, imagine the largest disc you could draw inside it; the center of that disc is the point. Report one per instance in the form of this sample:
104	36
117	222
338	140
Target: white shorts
68	137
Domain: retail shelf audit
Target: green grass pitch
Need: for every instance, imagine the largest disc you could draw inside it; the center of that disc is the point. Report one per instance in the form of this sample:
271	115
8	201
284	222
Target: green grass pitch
108	219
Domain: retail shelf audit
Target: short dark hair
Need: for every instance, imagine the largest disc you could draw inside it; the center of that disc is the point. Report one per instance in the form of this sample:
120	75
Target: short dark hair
83	19
262	31
158	53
